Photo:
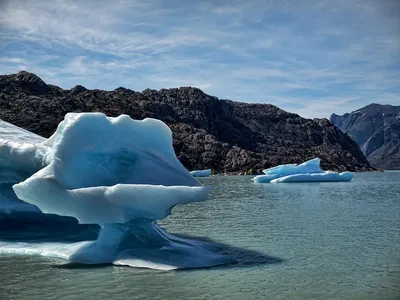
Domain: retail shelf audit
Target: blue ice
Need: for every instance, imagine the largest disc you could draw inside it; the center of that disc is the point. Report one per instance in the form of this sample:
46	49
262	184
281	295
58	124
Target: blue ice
201	173
120	173
309	171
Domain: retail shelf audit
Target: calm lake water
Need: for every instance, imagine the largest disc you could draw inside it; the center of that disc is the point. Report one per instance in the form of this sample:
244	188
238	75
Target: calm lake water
292	241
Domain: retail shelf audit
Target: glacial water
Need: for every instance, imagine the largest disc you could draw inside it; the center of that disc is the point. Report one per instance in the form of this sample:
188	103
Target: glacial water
291	240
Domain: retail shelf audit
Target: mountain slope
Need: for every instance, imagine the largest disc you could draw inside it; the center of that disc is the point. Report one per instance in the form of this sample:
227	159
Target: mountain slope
226	136
376	128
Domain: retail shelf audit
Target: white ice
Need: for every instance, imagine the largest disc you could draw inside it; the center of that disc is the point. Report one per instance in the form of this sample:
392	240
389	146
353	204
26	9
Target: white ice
110	170
309	171
116	172
318	177
201	173
21	155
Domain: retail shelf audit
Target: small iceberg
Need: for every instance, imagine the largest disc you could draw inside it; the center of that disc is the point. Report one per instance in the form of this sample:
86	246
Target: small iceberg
201	173
309	171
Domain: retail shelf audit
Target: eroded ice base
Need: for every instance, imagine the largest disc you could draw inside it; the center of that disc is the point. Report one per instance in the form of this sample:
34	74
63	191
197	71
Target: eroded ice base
141	244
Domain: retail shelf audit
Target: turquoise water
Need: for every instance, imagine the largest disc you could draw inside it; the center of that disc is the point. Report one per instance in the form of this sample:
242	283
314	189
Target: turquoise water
292	241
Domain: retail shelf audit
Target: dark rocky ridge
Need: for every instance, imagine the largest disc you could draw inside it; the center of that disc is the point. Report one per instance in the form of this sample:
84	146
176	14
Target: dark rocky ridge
227	136
376	128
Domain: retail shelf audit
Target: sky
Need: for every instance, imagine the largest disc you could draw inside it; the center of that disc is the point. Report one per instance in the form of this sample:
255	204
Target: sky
309	57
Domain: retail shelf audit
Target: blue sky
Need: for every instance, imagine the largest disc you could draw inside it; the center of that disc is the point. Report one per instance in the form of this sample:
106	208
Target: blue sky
308	57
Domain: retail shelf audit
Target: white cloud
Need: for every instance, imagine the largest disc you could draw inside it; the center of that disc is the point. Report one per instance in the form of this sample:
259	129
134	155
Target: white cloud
12	60
226	10
325	107
321	54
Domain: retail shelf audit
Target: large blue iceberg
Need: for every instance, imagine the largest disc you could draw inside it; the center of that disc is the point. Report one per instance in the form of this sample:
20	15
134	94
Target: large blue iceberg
116	172
201	173
309	171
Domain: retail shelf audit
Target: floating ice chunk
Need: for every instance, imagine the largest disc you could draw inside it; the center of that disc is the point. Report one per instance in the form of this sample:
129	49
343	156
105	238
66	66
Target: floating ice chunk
307	171
122	174
110	170
310	166
201	173
312	177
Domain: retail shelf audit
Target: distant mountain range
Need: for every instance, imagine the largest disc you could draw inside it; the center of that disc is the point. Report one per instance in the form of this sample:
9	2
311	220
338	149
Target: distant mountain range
226	136
376	128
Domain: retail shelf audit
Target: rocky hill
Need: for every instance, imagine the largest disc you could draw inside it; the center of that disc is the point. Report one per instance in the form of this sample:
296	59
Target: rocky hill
376	128
226	136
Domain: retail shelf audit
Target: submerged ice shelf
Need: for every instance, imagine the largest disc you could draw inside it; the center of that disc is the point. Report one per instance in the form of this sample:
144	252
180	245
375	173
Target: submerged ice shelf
116	172
309	171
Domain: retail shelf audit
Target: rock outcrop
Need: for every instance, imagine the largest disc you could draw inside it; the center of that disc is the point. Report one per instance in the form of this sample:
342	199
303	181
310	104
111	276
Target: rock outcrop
226	136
